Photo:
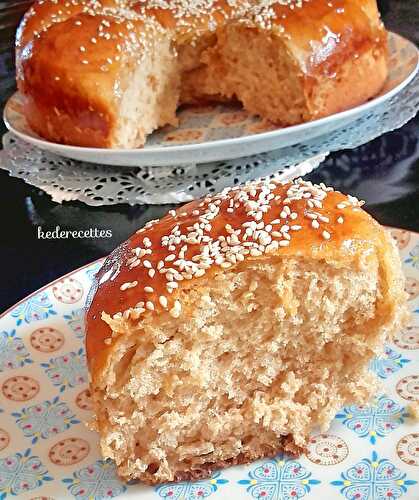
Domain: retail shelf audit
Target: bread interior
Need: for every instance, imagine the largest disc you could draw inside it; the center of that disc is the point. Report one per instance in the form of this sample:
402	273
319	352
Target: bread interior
263	76
266	351
150	96
213	69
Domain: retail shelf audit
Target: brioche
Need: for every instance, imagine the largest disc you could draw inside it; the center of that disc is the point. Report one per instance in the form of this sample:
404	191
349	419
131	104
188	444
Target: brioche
236	325
107	73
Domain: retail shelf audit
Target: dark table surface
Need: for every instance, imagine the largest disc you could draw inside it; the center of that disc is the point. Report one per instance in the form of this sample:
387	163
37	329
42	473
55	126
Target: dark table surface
383	172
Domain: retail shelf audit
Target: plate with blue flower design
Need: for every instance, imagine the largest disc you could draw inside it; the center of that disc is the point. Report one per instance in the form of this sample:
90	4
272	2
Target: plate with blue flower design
46	451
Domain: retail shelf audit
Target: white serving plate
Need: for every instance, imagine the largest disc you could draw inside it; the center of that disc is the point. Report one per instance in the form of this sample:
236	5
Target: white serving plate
215	133
47	452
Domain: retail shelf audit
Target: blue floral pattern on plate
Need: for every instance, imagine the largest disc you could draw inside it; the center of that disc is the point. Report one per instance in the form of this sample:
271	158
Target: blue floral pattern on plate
191	490
13	353
413	258
20	473
45	419
373	479
390	363
281	478
378	419
75	322
95	481
33	309
68	370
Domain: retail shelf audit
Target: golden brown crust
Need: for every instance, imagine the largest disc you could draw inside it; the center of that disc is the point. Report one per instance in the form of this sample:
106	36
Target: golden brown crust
71	56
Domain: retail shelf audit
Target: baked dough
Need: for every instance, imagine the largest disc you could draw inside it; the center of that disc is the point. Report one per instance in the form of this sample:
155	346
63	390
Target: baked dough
107	73
235	325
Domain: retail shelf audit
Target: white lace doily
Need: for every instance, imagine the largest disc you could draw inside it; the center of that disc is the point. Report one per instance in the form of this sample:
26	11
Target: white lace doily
66	180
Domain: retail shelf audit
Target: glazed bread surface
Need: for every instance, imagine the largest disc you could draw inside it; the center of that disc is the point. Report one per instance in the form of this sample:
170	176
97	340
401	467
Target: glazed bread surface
236	325
107	73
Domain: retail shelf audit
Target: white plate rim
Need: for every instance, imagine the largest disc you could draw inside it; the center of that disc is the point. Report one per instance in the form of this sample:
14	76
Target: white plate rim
148	153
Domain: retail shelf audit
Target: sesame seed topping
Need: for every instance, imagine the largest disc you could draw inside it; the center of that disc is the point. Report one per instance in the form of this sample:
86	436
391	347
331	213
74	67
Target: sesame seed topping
186	246
163	301
126	286
176	309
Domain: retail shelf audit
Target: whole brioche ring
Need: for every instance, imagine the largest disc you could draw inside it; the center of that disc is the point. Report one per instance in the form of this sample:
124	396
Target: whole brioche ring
233	326
107	73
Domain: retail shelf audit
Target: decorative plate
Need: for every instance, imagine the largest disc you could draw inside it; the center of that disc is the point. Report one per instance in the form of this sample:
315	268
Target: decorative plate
46	451
222	132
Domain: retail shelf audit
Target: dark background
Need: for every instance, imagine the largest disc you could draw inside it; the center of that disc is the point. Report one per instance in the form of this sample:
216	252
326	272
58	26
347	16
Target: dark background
384	172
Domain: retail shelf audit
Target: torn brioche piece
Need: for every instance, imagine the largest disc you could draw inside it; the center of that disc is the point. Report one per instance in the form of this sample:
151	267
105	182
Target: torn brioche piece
234	326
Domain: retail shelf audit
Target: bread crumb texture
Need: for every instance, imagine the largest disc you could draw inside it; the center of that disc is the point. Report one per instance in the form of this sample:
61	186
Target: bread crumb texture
270	350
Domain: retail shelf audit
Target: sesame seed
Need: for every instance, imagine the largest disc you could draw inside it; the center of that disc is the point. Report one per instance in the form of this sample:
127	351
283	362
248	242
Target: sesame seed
176	309
149	305
340	220
126	286
326	235
163	301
